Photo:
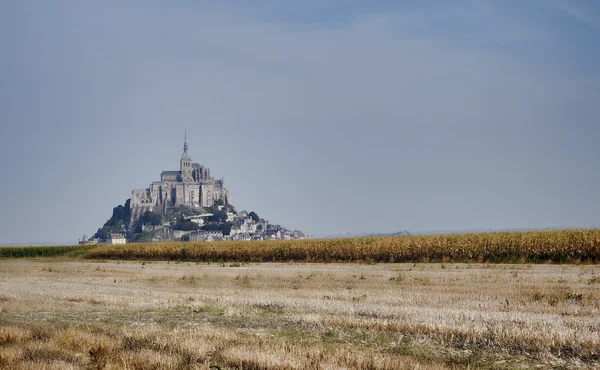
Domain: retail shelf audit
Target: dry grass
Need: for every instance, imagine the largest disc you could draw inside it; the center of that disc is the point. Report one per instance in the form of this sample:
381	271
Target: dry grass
559	246
155	315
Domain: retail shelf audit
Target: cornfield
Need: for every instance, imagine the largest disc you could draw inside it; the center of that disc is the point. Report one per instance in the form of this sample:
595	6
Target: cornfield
42	251
556	246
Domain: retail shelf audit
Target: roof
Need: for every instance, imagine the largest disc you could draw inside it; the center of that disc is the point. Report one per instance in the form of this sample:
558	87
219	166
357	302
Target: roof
169	173
206	232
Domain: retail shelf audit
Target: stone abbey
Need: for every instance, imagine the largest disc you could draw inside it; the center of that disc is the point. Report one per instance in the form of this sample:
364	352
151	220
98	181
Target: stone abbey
191	186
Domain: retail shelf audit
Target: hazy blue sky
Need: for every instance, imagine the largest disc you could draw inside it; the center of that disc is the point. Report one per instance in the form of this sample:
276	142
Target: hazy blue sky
327	116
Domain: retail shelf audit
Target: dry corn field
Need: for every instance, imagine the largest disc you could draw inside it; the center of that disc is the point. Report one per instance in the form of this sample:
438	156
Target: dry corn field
86	314
563	246
554	246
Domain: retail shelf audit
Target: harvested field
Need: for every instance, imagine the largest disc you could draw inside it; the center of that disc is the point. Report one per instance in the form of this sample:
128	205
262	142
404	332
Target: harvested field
127	314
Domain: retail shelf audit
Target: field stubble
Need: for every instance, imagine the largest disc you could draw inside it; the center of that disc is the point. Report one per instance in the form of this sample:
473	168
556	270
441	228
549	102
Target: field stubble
98	314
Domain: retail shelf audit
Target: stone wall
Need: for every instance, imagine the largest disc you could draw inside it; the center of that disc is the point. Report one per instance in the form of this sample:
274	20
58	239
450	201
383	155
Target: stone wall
192	195
177	234
140	197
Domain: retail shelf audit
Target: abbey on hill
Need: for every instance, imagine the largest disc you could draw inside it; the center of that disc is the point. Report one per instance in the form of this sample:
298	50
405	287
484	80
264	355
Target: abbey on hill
191	186
188	204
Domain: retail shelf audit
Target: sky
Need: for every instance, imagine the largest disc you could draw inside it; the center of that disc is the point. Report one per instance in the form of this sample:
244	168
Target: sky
328	116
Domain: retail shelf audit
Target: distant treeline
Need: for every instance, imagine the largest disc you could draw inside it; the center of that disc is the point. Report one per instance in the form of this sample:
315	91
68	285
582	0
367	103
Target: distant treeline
556	246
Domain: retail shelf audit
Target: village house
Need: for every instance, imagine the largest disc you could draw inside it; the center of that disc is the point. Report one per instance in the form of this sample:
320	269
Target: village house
116	238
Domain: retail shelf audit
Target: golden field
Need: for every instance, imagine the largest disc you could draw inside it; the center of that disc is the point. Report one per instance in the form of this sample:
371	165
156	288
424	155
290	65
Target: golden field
510	300
559	246
556	246
61	313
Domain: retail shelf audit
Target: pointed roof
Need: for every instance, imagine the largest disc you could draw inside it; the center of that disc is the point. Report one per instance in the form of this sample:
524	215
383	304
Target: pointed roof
185	155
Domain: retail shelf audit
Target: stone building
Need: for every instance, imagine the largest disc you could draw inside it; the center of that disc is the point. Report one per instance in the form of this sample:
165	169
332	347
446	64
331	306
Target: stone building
206	235
191	186
116	238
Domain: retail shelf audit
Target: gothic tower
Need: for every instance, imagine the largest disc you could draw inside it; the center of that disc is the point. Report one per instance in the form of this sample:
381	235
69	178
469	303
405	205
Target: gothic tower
185	164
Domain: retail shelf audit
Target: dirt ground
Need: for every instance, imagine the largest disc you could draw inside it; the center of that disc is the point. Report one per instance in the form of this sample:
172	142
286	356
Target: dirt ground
90	314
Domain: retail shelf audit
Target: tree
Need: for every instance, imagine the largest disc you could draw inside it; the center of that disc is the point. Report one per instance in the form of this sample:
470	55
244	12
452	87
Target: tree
225	227
151	218
117	223
220	202
185	225
254	216
217	215
101	234
230	208
117	216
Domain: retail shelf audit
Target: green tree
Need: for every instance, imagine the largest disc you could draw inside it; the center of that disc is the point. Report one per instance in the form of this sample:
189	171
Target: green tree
151	218
117	223
217	215
101	234
225	227
254	216
186	225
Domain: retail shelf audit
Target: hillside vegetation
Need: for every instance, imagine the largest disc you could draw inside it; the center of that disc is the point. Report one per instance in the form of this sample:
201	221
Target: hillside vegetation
558	246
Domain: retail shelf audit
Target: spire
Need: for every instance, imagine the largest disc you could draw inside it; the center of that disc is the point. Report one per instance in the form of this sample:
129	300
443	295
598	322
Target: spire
185	155
185	147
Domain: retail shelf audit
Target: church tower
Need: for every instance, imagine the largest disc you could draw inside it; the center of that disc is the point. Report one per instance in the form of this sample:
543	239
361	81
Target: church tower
185	164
